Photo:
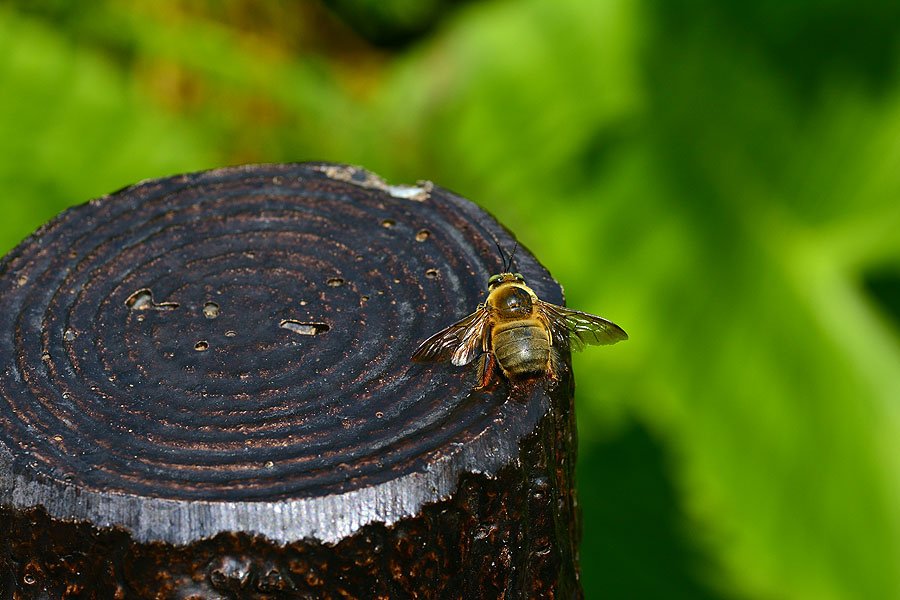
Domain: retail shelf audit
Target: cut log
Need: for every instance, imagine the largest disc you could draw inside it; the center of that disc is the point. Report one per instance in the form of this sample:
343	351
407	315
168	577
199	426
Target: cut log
206	392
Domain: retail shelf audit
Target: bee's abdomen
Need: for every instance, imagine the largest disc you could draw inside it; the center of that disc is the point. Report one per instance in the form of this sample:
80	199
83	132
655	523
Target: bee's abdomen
521	348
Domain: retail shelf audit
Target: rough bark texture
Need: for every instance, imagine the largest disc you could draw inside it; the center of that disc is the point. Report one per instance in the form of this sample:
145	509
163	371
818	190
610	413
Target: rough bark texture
207	393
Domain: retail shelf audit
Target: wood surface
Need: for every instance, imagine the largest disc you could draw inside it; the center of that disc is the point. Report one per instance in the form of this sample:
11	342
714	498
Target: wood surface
206	392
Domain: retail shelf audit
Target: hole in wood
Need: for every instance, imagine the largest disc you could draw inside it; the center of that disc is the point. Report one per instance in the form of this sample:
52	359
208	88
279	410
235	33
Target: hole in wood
143	300
335	282
304	328
423	235
388	223
432	273
201	346
210	310
29	577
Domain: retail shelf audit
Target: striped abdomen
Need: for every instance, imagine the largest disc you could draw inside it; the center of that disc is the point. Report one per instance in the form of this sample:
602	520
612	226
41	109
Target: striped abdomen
521	347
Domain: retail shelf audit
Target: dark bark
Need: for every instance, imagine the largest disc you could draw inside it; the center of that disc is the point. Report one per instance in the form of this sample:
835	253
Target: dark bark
207	393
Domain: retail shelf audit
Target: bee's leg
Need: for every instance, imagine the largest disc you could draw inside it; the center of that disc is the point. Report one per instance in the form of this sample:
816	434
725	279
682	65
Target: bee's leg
486	368
553	363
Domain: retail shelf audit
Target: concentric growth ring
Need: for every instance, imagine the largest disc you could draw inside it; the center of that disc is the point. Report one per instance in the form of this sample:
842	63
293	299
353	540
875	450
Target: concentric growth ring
244	335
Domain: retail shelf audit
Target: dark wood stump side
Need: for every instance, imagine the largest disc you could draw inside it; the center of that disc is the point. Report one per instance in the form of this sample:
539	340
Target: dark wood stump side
206	393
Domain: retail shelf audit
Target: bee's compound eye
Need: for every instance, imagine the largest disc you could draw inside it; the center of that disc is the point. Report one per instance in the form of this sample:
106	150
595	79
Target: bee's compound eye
518	276
494	279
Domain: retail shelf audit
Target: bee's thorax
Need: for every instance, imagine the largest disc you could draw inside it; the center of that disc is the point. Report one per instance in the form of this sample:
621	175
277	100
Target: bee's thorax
511	301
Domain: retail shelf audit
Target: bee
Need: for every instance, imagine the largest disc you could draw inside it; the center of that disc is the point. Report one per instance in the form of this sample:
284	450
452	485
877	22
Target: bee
517	331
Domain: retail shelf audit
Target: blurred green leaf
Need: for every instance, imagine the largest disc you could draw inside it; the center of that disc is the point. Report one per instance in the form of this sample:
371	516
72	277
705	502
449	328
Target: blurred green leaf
637	529
74	129
392	22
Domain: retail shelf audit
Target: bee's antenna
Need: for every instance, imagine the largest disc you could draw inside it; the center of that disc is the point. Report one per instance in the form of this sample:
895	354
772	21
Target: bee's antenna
512	256
502	256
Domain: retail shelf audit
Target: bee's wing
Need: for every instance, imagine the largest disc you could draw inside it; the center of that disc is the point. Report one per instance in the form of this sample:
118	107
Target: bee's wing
576	329
461	342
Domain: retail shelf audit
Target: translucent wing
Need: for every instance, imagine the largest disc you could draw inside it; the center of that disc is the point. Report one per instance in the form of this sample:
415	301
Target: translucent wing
461	342
576	329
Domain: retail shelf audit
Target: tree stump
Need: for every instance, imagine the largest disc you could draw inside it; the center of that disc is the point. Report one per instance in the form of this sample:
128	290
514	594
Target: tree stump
207	392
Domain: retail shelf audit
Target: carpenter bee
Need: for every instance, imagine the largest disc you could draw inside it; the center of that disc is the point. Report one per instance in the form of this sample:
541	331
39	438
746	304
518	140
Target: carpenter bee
517	331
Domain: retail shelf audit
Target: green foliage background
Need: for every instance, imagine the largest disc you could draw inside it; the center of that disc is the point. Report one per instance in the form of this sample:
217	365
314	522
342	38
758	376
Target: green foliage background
721	178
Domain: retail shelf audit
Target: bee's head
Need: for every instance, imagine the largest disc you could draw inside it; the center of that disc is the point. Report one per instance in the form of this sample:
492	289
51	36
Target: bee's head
501	278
